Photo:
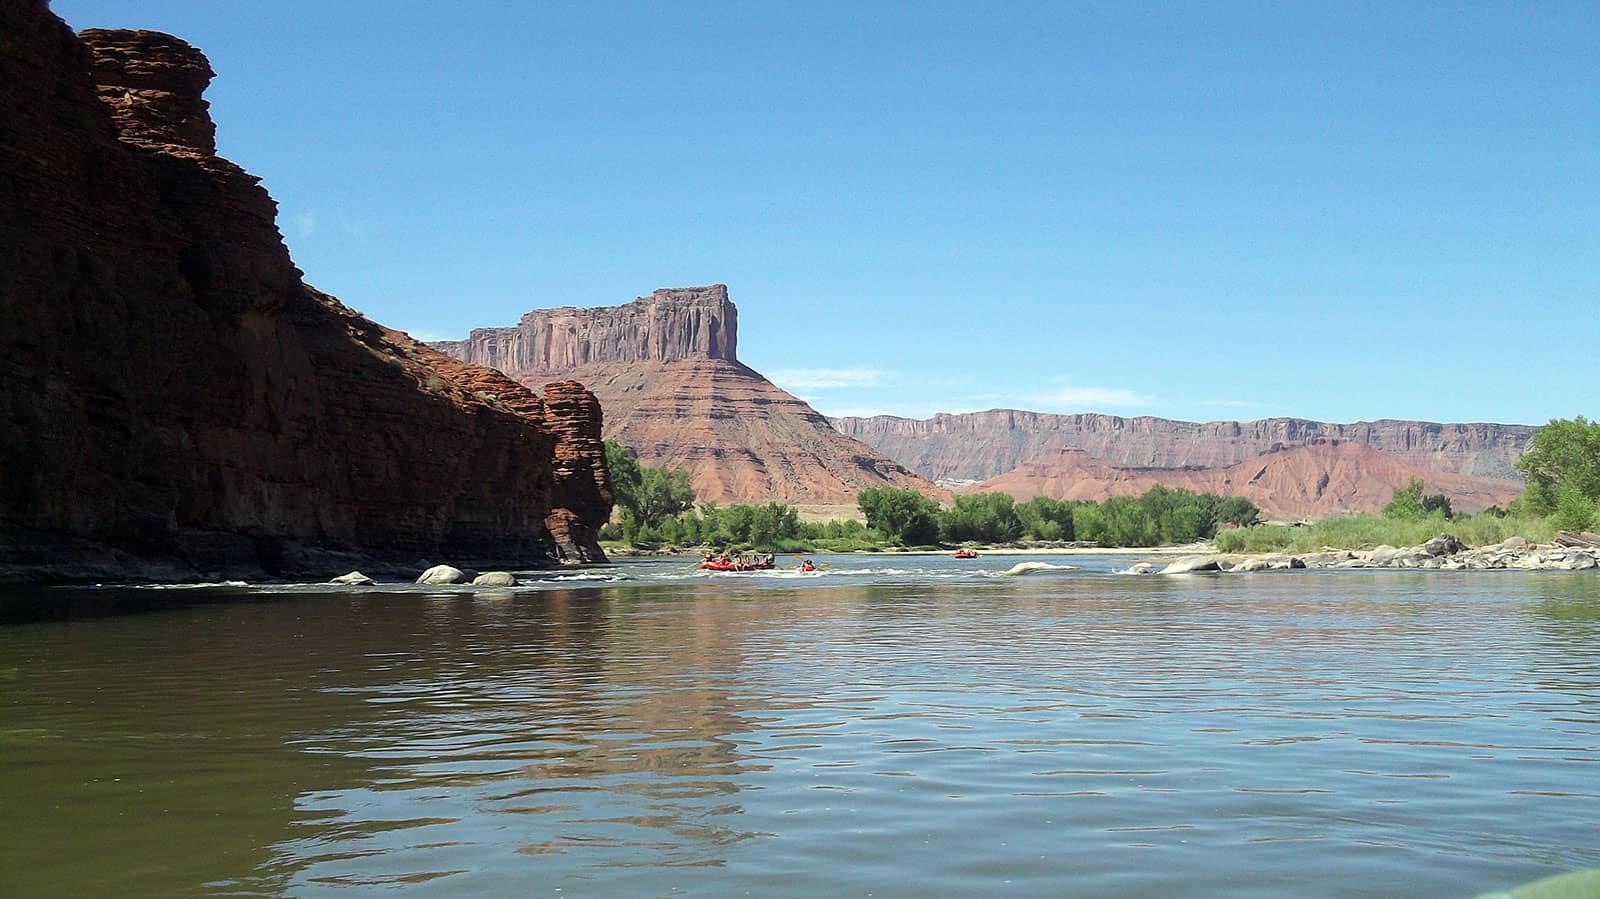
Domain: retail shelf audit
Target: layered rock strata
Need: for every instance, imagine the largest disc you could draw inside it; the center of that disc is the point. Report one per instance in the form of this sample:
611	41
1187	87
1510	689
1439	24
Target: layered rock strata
979	445
666	368
174	400
1317	480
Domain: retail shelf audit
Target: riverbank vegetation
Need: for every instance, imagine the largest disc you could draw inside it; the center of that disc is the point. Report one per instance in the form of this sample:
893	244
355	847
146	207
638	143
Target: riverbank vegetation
1162	515
1563	473
656	508
1371	531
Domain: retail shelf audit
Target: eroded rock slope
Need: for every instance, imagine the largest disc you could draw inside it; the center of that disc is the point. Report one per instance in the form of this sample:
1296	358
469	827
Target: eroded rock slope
666	368
1316	480
173	399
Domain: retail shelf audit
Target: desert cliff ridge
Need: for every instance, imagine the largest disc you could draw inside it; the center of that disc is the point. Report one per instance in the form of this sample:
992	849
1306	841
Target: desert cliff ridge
980	445
1319	479
669	325
666	368
178	402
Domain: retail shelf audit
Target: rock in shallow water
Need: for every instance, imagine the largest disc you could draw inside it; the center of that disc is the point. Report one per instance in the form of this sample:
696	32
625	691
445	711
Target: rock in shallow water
495	579
1035	567
353	579
442	574
1188	564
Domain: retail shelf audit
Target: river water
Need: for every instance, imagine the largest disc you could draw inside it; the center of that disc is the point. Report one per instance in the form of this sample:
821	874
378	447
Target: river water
890	727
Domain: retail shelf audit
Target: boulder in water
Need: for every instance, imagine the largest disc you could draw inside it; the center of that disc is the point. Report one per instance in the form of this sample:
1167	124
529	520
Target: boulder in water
442	574
1035	567
353	579
1193	563
495	579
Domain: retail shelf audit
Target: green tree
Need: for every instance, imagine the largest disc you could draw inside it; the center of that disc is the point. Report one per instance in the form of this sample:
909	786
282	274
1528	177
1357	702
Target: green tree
662	494
647	496
1410	504
903	515
1236	510
983	516
1406	504
625	476
1044	518
1437	504
1563	472
771	523
1089	523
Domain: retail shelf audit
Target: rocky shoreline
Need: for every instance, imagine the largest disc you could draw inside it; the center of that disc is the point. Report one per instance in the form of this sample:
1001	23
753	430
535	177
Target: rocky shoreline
1570	552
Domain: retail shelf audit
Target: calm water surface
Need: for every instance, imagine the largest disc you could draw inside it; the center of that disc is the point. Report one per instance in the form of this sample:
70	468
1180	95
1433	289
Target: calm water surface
889	728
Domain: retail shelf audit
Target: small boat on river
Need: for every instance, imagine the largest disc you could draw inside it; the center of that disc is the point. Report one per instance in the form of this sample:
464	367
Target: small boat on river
964	554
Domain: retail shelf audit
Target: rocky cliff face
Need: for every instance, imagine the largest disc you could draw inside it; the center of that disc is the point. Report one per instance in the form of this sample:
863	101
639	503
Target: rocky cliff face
979	445
175	400
1314	480
667	326
666	368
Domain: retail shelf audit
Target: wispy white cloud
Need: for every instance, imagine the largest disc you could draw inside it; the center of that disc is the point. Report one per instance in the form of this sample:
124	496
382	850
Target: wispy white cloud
1080	398
798	379
305	223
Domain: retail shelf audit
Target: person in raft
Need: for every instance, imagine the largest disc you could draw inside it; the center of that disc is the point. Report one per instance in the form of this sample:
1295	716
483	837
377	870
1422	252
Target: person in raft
808	566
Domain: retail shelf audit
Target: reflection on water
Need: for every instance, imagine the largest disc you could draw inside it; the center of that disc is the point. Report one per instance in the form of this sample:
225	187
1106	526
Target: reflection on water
896	734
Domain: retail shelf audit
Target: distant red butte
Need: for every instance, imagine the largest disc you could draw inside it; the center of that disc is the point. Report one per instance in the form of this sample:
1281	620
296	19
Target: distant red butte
667	373
1316	480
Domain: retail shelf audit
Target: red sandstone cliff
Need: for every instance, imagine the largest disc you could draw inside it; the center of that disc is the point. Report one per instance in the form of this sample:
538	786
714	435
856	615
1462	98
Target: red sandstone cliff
173	395
1317	480
666	368
977	445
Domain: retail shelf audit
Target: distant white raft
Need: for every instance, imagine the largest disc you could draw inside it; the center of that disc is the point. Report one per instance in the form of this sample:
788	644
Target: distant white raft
1022	568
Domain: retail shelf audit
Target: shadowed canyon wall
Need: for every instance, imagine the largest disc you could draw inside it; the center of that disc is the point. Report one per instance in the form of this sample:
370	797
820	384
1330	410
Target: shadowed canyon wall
174	399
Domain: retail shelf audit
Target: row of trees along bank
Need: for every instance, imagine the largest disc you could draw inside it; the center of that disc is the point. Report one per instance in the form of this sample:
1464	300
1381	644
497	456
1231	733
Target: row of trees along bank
656	506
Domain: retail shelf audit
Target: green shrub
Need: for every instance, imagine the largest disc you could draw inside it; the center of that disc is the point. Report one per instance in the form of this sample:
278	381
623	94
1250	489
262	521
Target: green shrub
1368	531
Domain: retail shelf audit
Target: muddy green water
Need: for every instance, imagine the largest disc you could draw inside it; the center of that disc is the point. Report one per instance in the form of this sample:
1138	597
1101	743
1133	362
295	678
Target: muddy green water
908	728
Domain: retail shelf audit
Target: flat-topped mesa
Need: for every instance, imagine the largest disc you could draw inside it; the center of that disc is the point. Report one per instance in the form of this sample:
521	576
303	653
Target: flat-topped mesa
667	371
669	325
153	85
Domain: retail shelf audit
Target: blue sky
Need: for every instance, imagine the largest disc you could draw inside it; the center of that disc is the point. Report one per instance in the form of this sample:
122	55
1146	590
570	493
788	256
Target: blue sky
1226	210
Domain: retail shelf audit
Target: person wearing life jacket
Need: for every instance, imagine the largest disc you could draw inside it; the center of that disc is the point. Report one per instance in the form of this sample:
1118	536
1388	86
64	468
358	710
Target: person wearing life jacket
808	566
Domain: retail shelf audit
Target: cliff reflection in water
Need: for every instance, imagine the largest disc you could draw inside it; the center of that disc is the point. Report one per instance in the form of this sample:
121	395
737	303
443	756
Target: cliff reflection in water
554	717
